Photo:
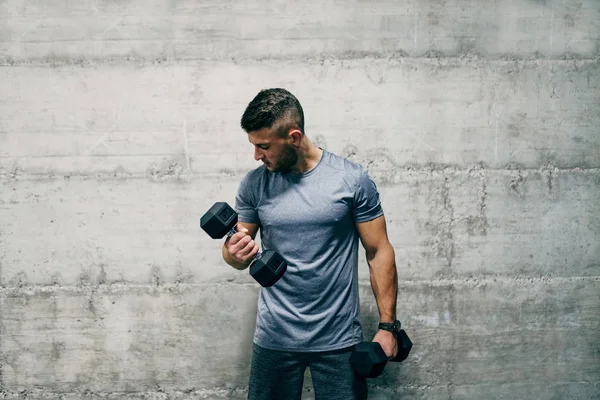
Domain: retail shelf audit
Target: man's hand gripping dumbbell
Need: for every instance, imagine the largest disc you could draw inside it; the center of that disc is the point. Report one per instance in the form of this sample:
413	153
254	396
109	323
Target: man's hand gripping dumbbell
369	359
220	221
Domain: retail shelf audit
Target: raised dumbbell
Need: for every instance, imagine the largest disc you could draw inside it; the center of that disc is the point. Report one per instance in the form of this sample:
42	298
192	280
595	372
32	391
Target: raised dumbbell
220	220
369	359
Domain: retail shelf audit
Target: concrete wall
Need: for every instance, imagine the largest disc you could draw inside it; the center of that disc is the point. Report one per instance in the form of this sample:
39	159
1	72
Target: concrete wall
480	122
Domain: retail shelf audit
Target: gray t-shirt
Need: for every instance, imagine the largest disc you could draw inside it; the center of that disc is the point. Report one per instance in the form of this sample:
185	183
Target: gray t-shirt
309	219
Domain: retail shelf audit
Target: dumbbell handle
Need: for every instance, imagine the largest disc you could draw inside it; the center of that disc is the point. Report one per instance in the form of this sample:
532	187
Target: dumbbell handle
232	232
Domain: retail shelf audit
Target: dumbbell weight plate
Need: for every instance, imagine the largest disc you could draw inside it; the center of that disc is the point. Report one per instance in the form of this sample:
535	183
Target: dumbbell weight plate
404	346
368	359
268	268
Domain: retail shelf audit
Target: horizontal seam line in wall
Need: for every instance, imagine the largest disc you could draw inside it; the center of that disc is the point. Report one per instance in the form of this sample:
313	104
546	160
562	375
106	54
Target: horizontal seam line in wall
94	61
231	38
119	287
408	166
220	393
76	156
45	394
191	174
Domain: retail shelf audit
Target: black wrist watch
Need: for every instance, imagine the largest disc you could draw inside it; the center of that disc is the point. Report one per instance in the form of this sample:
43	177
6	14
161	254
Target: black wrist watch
390	326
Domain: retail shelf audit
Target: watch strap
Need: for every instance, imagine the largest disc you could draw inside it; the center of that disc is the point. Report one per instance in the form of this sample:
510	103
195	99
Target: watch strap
390	326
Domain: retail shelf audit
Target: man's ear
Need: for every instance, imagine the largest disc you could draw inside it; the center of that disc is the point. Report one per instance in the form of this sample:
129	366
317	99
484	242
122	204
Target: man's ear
295	136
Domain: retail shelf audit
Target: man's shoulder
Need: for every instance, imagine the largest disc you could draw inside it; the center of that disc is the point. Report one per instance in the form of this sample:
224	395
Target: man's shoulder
255	173
344	165
252	179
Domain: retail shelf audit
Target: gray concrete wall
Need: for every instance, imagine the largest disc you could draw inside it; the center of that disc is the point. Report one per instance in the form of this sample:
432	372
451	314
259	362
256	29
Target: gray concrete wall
480	122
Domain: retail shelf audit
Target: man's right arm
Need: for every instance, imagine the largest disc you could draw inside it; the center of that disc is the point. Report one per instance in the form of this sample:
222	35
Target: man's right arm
240	249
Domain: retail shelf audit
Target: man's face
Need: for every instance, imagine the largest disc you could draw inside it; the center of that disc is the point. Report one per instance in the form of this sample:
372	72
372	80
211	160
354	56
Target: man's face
275	152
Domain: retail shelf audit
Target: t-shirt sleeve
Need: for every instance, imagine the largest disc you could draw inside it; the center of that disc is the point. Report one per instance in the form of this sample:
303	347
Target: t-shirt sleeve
367	205
245	203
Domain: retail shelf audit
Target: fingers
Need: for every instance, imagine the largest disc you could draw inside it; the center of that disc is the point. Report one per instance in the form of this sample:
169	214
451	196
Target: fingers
239	241
388	343
253	250
242	247
246	246
248	252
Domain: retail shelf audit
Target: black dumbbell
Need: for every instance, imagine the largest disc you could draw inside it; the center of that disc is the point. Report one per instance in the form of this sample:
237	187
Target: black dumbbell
220	220
369	359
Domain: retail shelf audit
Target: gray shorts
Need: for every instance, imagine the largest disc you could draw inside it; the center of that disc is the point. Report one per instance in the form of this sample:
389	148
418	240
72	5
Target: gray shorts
276	375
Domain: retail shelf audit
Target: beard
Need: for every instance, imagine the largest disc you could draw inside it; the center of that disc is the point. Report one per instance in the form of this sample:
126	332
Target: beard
288	159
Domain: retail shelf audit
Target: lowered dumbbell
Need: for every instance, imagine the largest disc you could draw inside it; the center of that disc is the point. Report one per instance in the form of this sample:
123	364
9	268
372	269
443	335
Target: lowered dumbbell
369	359
220	221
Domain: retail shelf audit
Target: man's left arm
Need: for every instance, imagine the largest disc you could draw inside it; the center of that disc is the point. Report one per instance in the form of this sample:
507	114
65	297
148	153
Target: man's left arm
384	277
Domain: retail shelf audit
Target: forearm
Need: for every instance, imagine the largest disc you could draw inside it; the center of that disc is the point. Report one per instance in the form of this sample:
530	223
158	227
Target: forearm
384	281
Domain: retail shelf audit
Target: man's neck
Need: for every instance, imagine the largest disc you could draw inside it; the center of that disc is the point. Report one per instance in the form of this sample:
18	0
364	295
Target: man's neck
309	159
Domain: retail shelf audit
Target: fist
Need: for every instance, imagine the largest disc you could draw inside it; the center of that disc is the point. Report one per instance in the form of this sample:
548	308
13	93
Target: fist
241	246
388	343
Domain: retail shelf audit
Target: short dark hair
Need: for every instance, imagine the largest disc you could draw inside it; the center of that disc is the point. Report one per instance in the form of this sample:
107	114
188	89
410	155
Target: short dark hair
270	106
